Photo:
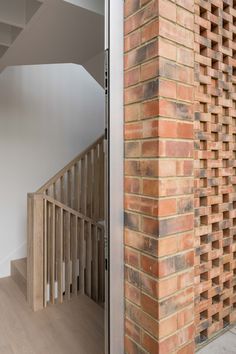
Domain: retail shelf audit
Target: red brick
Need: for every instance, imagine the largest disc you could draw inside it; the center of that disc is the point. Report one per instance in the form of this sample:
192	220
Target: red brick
167	207
150	128
149	305
149	285
132	293
132	257
133	131
132	77
184	92
140	242
169	344
167	286
149	265
150	109
150	187
132	112
133	40
186	4
141	204
173	129
175	263
132	149
150	226
187	349
167	49
186	334
175	224
173	187
132	220
167	168
167	88
131	347
185	241
132	330
185	316
175	33
132	185
150	344
167	246
131	6
176	149
149	70
185	205
167	9
149	31
150	148
176	302
141	318
185	56
185	18
168	326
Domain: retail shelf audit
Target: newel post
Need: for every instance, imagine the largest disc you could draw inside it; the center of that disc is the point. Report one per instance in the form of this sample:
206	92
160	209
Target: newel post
35	284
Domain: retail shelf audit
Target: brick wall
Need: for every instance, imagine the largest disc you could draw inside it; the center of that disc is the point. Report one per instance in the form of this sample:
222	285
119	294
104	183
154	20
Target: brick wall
215	166
159	200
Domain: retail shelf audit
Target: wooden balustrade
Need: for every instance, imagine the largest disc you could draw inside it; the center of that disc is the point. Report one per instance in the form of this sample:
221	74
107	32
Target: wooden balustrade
80	184
65	238
65	253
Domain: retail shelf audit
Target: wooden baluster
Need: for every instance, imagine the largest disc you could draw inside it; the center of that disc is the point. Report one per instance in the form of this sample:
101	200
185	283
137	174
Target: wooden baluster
93	197
69	188
59	254
102	181
76	186
101	273
84	185
79	183
62	189
95	263
54	191
74	254
82	256
88	259
52	254
95	185
67	255
49	248
89	184
35	249
45	252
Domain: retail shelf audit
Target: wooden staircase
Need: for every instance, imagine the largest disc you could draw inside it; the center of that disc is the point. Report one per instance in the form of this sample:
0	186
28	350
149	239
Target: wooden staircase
65	253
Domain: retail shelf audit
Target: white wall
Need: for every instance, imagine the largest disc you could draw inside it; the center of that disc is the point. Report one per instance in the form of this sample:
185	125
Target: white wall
48	114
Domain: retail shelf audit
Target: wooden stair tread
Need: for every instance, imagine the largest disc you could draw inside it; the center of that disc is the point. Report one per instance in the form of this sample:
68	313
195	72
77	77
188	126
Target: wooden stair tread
19	273
21	265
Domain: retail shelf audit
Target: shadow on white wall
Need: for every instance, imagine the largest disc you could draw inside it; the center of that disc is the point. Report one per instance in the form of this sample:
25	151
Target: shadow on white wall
48	114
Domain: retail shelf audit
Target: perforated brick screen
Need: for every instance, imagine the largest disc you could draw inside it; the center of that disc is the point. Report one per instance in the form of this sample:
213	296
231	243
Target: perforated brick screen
215	166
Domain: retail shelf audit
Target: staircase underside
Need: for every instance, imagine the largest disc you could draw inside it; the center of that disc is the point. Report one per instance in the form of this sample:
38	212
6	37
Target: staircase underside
57	32
73	327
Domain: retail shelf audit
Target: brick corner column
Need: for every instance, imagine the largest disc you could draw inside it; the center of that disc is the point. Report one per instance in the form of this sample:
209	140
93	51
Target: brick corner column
159	200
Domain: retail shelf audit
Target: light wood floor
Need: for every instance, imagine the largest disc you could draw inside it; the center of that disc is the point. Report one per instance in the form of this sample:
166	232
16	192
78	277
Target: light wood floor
75	327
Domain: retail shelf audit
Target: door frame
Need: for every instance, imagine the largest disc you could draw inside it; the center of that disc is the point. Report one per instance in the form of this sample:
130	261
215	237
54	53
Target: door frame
115	280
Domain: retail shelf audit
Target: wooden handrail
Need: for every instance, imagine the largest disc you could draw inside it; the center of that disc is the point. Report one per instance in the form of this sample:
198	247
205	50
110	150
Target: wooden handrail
66	208
61	173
